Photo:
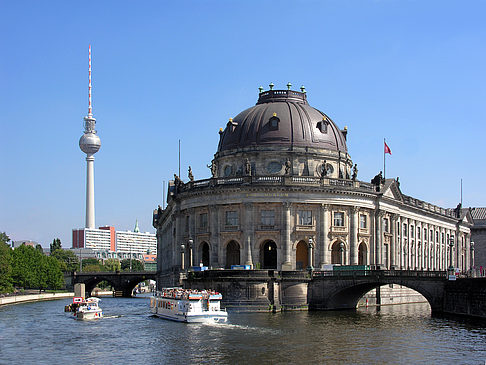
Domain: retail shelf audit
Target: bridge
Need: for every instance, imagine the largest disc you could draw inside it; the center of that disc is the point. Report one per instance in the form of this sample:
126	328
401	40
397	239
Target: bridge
342	290
123	283
328	290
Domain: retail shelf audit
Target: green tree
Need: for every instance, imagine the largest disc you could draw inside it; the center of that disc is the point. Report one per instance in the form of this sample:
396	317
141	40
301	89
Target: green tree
39	248
112	265
92	265
55	277
6	261
24	266
68	260
55	245
136	265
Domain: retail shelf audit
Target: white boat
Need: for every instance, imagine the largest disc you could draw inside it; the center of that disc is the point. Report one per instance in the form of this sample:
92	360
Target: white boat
187	305
88	310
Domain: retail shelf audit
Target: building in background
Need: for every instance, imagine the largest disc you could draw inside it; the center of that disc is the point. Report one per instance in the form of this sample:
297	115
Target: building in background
108	243
16	244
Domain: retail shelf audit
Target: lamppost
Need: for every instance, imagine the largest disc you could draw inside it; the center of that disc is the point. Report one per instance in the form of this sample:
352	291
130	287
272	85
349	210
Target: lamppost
183	248
310	254
189	246
451	245
341	249
472	256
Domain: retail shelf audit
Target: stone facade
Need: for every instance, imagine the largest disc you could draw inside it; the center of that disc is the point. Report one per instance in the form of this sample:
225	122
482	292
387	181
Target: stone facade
274	205
478	236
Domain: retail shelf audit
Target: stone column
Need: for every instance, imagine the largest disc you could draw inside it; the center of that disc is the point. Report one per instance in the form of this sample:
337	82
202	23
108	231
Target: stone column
353	242
393	241
215	260
249	230
287	264
379	237
324	235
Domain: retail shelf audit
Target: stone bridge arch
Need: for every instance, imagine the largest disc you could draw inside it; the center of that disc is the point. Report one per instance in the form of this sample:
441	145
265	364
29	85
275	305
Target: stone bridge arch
334	293
123	283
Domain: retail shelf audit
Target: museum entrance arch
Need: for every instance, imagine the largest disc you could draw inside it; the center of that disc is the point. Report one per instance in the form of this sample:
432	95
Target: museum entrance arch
301	256
362	254
337	255
232	254
268	255
204	253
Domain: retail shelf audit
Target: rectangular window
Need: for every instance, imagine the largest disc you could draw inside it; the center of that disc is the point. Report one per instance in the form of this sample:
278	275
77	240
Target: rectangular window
203	220
386	227
425	233
431	238
405	229
412	231
187	223
437	236
305	217
268	217
339	219
418	233
231	218
362	221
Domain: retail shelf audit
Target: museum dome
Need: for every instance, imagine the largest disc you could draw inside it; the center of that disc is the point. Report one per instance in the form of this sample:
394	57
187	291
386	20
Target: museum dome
282	118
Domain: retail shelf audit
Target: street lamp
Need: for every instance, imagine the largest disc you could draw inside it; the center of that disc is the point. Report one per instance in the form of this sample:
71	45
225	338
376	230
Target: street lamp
183	248
451	245
341	249
189	246
472	255
310	254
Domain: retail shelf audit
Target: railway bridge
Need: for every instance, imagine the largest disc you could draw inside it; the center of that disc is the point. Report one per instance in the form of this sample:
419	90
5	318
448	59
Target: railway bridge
123	283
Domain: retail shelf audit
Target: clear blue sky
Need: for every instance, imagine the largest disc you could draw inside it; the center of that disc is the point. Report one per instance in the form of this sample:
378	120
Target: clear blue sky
410	71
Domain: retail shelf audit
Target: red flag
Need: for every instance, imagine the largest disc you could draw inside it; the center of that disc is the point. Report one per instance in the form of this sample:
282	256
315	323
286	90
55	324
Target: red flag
387	149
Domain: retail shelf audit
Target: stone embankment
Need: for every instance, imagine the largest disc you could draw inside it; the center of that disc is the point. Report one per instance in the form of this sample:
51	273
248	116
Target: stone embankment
15	299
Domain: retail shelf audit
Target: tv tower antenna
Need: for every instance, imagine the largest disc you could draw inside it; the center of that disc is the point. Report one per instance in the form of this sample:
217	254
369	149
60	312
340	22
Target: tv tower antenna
90	143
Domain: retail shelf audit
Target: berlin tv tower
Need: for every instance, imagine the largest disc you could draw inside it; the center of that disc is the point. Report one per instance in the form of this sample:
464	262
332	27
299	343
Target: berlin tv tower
90	143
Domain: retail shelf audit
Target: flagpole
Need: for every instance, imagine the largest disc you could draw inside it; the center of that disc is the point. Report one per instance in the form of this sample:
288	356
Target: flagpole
384	165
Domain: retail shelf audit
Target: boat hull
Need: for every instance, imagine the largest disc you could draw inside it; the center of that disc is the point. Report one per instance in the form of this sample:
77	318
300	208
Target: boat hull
221	317
89	315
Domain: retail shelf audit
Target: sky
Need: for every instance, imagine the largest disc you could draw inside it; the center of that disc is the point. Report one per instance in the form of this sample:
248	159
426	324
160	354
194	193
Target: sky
412	72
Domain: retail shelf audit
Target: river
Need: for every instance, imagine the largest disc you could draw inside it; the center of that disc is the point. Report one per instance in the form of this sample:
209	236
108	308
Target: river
42	333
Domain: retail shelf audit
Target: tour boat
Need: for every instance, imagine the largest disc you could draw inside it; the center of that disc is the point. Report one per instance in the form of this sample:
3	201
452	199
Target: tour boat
188	305
85	309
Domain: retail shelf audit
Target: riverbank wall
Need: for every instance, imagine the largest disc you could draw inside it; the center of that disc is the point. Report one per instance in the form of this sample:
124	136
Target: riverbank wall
16	299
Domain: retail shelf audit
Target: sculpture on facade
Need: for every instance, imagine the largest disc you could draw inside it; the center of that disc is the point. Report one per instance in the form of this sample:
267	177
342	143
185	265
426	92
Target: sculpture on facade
378	180
355	172
213	167
189	174
288	165
247	167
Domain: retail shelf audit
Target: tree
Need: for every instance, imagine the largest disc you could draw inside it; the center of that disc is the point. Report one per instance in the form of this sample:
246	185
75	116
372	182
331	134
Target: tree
92	265
39	248
55	245
5	264
136	265
112	265
68	260
24	266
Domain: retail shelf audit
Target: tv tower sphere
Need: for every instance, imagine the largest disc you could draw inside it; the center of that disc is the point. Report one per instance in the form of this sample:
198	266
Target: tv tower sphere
89	142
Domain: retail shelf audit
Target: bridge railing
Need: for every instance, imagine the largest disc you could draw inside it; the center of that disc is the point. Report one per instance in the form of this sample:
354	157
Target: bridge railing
392	273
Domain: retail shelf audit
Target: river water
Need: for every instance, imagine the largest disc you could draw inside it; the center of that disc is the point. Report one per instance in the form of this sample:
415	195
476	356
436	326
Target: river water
41	333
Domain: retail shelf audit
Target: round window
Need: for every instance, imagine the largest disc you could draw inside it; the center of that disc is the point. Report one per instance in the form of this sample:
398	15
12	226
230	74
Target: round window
274	167
228	170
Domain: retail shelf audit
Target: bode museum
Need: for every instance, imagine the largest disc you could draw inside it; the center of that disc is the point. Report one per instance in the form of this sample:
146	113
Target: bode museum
285	195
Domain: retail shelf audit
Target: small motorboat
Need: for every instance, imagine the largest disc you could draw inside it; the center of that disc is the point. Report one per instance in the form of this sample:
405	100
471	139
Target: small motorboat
85	309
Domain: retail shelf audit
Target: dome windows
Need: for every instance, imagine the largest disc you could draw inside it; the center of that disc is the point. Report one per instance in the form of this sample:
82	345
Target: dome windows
322	125
273	122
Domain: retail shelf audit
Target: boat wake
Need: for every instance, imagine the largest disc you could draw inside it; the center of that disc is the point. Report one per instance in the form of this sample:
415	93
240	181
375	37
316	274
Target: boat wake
117	316
239	327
